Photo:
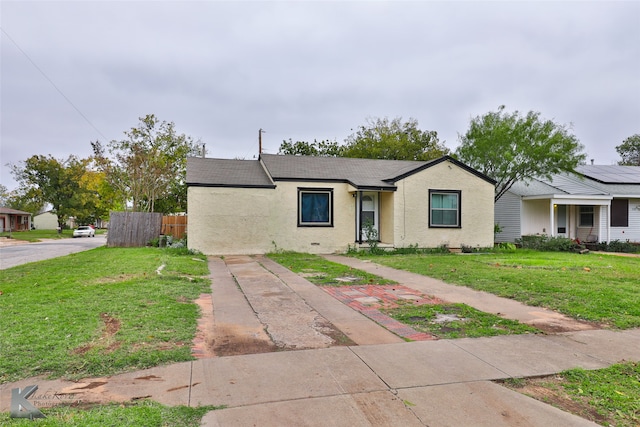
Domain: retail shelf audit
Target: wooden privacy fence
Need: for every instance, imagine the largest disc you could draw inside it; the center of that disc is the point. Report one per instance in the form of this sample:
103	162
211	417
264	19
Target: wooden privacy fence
175	226
128	229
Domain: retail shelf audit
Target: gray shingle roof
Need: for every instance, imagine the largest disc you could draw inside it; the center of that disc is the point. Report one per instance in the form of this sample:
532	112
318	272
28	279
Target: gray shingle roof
361	173
226	173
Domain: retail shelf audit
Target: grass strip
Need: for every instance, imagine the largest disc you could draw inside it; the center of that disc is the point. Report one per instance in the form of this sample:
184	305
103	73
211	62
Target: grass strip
456	321
323	272
609	396
143	413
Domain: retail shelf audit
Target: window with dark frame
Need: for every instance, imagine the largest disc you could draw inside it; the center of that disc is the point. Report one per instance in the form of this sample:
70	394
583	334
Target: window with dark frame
620	213
586	216
444	208
315	207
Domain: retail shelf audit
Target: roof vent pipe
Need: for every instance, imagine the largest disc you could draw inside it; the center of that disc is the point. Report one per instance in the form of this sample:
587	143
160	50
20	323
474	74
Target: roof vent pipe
592	162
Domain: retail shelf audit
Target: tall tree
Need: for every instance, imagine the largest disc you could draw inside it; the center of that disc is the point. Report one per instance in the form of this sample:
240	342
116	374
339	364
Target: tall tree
149	165
315	148
510	147
629	151
394	140
4	195
47	180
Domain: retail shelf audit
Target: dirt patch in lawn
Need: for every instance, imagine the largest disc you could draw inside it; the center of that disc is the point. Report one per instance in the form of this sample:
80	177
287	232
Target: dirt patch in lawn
550	391
111	327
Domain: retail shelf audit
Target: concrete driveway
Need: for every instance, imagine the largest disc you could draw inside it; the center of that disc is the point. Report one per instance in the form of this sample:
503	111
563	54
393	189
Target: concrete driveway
14	253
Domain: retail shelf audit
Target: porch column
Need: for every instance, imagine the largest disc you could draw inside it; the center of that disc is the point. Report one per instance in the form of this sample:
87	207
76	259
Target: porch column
608	222
552	230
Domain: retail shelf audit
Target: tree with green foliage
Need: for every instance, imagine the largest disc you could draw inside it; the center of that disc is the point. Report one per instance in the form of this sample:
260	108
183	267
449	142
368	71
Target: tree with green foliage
378	139
629	151
510	147
393	140
45	180
316	148
148	168
4	195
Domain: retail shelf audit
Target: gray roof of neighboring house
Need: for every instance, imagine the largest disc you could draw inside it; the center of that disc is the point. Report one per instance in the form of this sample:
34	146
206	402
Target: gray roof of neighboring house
9	211
611	174
589	181
361	173
558	184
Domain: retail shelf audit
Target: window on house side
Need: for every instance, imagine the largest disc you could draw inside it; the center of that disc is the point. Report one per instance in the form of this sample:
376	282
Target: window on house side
315	207
586	216
444	208
620	213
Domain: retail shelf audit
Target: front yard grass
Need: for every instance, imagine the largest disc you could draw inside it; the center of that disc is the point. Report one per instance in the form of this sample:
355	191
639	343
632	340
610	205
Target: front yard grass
609	396
142	413
593	287
99	312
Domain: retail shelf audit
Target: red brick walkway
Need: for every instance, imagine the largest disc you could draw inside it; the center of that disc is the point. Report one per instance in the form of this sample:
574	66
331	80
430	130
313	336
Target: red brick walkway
369	299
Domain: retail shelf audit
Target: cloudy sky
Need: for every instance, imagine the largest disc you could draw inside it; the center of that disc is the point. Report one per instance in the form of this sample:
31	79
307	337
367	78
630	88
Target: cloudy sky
79	71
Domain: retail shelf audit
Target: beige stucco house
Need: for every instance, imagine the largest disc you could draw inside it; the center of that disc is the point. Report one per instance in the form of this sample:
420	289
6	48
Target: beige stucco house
321	204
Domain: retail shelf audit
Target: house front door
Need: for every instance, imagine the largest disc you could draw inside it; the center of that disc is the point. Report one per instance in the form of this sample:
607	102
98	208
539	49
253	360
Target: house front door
369	221
561	221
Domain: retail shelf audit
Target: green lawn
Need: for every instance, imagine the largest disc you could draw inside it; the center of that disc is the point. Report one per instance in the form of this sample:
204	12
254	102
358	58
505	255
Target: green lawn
141	413
609	396
38	235
99	312
593	287
323	272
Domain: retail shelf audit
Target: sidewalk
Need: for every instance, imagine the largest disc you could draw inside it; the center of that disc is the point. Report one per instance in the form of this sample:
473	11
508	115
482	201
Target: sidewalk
386	383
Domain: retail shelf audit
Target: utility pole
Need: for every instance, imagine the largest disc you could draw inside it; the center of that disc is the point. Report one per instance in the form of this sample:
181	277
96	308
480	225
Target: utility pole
260	132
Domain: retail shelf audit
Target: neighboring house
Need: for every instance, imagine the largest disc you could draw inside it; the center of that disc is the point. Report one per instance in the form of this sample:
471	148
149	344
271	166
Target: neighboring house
321	204
597	204
14	220
45	221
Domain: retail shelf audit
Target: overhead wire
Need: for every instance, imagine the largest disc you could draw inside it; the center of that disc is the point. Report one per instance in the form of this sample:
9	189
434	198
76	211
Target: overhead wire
52	83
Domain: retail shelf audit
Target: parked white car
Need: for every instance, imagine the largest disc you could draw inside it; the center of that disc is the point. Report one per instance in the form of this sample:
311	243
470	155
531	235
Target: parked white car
84	230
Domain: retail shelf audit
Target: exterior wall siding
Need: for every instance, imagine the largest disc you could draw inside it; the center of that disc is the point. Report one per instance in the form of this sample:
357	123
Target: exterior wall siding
632	232
535	217
45	221
229	220
411	209
224	220
386	216
507	214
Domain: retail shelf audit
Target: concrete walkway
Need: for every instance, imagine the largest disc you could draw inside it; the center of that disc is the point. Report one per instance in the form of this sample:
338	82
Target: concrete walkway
382	381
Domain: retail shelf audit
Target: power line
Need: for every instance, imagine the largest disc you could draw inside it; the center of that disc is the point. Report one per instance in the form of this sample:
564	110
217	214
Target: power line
52	83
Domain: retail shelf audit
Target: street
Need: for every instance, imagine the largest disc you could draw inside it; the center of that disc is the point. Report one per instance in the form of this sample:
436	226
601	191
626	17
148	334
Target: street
16	254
